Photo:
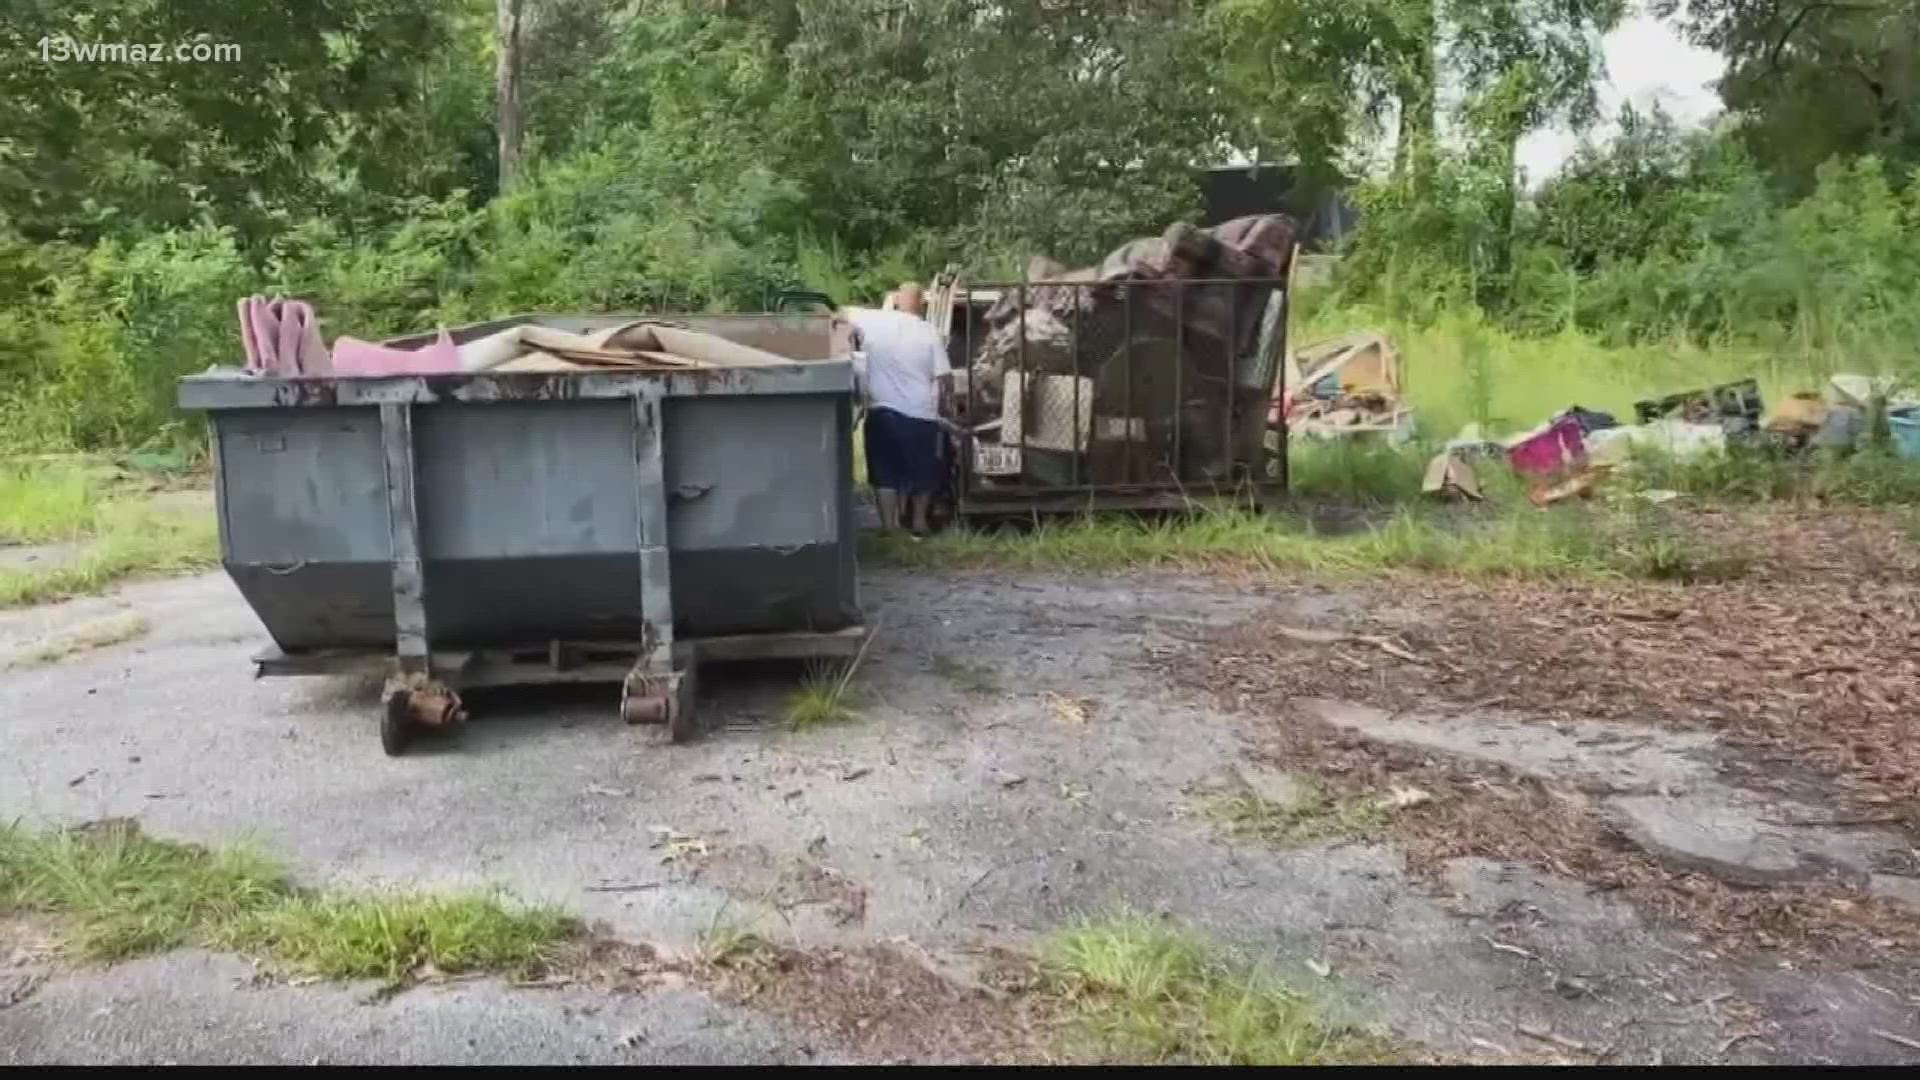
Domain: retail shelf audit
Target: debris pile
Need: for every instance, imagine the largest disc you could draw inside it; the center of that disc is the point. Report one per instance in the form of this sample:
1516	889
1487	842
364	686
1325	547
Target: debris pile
1346	388
281	338
1573	452
1155	365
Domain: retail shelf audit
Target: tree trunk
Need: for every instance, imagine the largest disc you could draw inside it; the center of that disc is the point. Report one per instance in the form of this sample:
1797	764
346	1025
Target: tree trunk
509	119
1419	101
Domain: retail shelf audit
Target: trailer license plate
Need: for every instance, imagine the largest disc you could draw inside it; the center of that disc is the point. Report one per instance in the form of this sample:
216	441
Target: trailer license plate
996	460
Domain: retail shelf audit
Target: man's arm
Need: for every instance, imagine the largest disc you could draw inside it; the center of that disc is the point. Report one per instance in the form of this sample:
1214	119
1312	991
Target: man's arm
942	377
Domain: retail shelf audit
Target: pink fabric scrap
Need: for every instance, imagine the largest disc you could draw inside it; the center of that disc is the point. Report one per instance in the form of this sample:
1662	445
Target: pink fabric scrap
354	357
281	337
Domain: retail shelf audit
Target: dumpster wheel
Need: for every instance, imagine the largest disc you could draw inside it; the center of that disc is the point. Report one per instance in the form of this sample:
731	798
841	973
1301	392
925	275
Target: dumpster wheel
660	700
413	706
396	723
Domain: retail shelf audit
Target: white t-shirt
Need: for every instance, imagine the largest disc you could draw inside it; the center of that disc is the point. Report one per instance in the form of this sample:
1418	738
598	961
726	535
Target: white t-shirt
904	355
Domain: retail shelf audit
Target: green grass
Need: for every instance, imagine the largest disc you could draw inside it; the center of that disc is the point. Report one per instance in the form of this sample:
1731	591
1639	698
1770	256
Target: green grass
731	945
1867	478
389	937
1346	472
97	634
826	695
1139	990
129	538
50	502
822	698
1489	542
120	893
1909	523
123	893
1312	817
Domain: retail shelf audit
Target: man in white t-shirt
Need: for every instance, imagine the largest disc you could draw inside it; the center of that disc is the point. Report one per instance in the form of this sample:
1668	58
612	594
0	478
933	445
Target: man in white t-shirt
907	378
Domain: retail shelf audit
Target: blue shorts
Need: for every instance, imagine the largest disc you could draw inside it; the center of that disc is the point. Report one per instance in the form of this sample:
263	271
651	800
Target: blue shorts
904	453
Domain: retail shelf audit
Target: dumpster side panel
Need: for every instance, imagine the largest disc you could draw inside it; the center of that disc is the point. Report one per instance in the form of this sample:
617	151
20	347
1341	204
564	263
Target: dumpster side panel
527	479
760	513
528	521
304	515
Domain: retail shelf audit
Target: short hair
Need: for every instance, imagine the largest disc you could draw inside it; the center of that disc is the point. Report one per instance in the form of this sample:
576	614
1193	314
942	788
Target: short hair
910	292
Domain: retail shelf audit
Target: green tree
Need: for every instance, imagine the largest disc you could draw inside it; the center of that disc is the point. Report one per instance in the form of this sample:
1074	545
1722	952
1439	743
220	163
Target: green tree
329	92
1320	81
1054	125
1816	78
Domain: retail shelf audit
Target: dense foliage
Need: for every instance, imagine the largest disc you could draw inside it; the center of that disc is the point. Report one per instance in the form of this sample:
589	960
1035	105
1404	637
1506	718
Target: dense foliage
700	153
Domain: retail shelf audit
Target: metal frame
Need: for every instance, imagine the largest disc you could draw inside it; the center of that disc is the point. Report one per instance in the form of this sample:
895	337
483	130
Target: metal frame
403	532
654	692
233	389
567	662
1248	482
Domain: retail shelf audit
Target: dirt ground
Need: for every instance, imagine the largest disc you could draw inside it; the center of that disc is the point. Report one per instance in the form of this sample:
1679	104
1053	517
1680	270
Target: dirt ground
1609	833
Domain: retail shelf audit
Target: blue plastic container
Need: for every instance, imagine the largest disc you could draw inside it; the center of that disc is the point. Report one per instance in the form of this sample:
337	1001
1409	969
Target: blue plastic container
1906	433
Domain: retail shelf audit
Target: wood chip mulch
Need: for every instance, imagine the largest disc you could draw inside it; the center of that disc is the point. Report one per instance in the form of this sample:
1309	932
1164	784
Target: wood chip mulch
1808	667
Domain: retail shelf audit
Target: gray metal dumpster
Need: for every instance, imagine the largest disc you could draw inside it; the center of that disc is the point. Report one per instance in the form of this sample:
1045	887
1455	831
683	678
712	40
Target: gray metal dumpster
579	526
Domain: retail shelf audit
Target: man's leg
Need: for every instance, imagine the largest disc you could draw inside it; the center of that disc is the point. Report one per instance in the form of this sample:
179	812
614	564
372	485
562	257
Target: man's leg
924	468
881	467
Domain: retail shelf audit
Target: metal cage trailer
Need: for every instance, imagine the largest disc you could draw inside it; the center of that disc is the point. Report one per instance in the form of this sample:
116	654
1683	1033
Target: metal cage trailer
1136	394
509	528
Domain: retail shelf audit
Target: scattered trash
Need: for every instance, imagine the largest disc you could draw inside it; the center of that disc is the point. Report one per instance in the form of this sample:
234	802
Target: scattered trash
1473	443
1842	428
677	845
1679	439
1580	484
1320	968
855	774
1010	780
599	789
1736	407
1408	797
1798	419
1904	426
1590	420
1558	447
1346	388
1069	710
1501	946
1449	476
1859	391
